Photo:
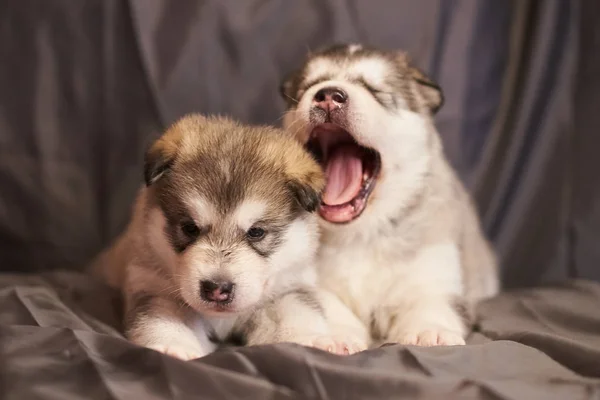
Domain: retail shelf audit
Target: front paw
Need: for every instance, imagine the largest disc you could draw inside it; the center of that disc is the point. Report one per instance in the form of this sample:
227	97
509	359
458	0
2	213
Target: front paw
431	337
336	344
178	350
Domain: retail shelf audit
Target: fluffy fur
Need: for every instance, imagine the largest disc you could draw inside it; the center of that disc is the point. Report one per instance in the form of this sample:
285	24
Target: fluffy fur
227	203
414	262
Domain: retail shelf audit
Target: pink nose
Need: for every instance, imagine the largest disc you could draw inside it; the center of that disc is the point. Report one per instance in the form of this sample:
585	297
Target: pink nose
219	292
330	98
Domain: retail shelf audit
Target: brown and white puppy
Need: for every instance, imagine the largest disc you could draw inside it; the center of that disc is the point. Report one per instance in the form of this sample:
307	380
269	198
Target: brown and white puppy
222	241
402	245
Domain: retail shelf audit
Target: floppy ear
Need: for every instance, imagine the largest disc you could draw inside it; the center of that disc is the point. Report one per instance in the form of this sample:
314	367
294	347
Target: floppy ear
307	195
429	90
306	181
159	158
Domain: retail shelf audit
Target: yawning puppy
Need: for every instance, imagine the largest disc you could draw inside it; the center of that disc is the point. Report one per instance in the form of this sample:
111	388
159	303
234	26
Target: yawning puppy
222	241
402	245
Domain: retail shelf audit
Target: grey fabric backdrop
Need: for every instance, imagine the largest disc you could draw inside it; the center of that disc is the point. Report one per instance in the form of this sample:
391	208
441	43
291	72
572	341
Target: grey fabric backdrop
86	85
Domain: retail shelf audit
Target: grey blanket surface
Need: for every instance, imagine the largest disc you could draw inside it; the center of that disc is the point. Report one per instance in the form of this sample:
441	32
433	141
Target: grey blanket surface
60	339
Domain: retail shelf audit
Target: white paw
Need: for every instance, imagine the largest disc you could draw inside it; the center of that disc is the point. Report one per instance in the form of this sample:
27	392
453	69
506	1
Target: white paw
337	344
178	350
432	337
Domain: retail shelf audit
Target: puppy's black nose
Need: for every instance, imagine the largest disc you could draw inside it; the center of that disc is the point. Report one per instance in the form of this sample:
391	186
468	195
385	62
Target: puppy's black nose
219	292
330	98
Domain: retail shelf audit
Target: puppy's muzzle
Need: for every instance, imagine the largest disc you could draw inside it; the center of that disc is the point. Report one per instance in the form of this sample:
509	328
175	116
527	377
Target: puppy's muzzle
330	98
217	292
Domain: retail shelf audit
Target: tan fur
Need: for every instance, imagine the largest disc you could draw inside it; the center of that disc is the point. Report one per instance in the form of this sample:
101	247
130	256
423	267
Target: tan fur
224	178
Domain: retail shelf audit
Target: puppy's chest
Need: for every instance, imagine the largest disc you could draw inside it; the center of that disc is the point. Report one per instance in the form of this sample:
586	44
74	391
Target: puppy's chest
362	277
217	330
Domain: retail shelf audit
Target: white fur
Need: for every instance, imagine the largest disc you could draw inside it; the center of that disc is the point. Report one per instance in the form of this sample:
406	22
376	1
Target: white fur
376	281
319	68
169	328
249	212
399	138
159	264
203	212
383	272
181	329
371	69
299	240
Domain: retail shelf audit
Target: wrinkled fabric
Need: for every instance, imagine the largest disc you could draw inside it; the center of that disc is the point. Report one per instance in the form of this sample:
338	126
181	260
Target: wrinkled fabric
85	86
60	338
585	223
76	114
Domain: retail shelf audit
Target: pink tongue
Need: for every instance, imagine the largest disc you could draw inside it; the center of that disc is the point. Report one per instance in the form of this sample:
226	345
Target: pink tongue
344	175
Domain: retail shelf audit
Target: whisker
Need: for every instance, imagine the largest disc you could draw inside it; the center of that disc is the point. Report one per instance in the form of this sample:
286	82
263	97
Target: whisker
281	117
291	98
181	305
308	50
295	125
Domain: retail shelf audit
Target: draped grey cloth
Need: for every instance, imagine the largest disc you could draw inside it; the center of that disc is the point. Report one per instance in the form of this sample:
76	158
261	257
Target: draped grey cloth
59	339
86	85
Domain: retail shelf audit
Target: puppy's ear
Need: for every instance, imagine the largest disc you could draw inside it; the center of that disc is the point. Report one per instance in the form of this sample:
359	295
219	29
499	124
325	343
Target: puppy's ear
306	180
429	90
160	157
306	194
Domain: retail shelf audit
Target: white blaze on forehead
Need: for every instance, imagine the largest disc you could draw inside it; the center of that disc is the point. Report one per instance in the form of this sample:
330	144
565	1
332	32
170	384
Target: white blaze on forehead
319	68
372	70
247	213
201	210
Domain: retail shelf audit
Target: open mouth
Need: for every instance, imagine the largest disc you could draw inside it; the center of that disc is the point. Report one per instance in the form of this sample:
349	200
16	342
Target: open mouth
351	171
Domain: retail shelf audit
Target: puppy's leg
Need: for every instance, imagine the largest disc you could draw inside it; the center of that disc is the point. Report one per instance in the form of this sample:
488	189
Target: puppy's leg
429	321
342	321
425	313
298	317
154	320
159	323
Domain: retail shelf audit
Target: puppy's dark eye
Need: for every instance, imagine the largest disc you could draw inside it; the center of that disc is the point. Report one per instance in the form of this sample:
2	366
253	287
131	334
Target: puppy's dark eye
190	229
255	234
